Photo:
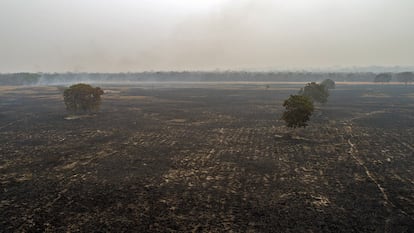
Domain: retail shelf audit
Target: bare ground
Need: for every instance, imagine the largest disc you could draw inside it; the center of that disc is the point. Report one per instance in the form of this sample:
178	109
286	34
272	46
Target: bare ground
207	160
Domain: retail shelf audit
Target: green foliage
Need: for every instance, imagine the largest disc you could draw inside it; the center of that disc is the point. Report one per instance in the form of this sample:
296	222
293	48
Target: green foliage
328	84
383	78
298	111
82	98
316	92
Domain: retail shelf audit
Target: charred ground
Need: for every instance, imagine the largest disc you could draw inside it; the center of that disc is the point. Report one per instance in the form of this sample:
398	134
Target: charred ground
207	159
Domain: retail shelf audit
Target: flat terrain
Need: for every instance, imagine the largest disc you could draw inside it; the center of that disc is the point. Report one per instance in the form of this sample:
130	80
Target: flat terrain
207	159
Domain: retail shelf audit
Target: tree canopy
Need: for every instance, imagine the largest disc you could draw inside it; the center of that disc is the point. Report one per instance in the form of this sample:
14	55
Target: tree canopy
82	98
298	111
405	77
328	83
383	78
315	92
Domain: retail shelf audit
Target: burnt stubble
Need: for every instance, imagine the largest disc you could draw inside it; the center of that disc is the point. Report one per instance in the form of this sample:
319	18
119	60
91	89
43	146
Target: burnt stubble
207	159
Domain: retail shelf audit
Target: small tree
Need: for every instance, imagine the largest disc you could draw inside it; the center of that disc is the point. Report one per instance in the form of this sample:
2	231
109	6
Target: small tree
316	92
82	98
328	84
298	111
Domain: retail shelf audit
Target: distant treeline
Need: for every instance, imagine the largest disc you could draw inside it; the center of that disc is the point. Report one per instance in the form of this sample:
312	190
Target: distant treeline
226	76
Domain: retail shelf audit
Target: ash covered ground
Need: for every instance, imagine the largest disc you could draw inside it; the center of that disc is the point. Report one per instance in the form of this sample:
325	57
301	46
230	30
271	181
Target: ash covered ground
207	159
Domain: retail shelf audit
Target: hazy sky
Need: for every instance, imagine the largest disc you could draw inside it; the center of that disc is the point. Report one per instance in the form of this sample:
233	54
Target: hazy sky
136	35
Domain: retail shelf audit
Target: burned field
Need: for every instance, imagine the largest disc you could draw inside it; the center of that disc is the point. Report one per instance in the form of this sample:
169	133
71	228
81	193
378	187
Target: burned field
207	160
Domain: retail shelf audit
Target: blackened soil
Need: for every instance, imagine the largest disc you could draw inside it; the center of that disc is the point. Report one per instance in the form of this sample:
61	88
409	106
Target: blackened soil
207	160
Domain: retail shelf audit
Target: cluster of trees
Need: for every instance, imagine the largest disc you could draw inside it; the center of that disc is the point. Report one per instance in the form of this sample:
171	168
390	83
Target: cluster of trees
20	79
193	76
404	77
299	108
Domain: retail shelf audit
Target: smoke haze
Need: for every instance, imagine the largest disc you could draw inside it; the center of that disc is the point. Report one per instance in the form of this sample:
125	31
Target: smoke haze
127	35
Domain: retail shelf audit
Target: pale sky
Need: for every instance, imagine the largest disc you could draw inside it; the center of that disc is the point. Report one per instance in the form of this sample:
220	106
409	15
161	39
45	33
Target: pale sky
138	35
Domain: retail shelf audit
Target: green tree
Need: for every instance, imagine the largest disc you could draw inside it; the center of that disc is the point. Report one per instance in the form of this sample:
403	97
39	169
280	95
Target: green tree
82	98
298	111
316	92
328	83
